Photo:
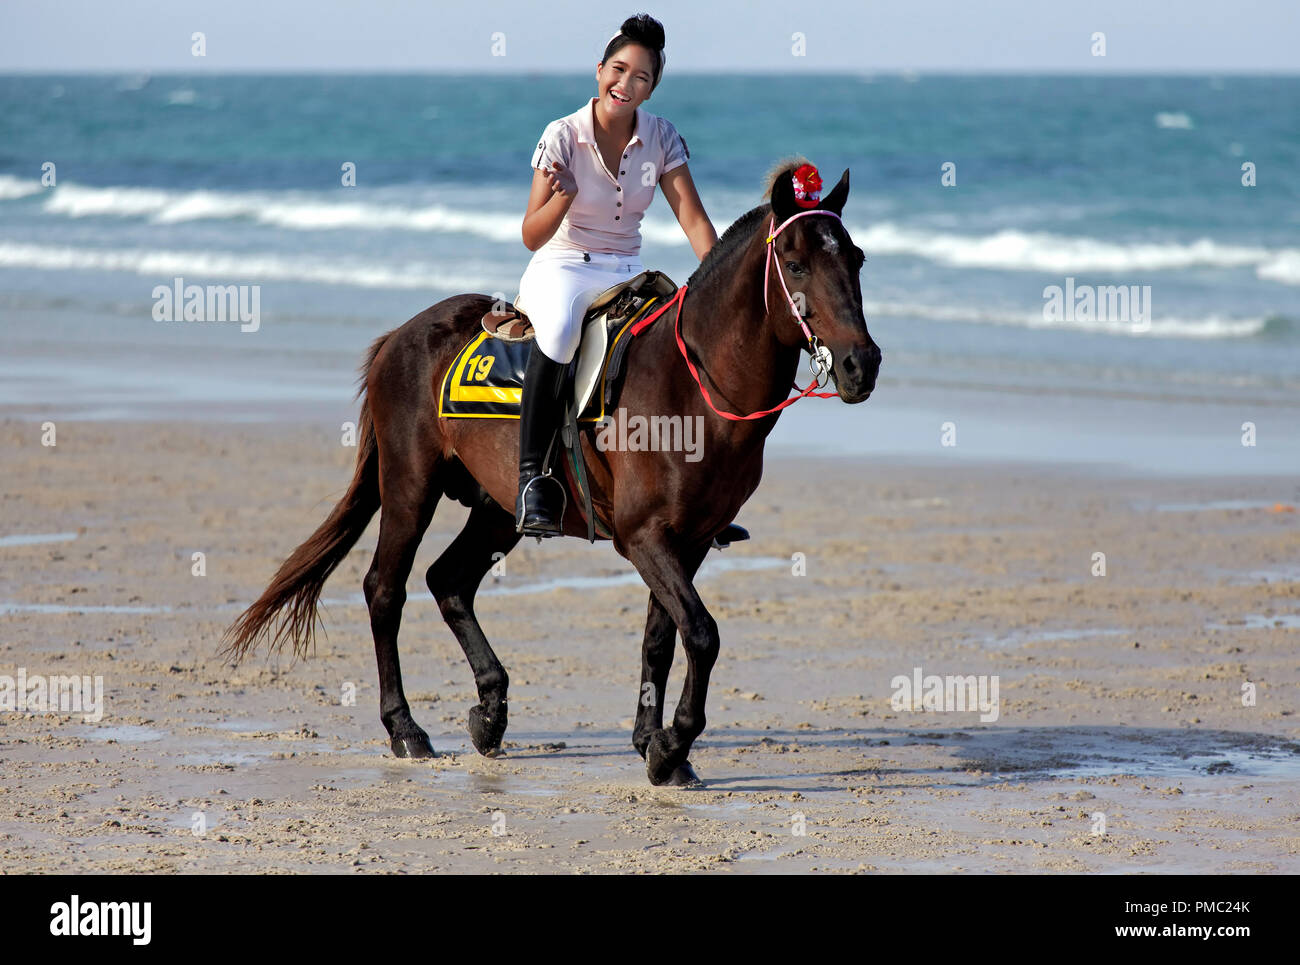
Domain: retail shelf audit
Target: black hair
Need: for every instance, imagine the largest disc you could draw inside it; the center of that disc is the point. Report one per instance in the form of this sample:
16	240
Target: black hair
645	30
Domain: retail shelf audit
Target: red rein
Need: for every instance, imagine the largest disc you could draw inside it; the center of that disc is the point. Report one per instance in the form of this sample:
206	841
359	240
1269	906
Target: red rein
679	299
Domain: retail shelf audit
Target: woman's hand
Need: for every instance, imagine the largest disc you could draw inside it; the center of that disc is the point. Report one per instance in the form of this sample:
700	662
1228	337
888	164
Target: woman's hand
561	181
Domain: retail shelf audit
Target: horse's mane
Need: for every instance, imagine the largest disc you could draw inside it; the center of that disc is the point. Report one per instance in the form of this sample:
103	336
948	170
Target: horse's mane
736	236
742	229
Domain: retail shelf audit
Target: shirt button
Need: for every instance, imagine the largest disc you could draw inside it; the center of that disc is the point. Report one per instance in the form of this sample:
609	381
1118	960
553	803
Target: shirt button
615	217
619	203
625	155
622	172
618	188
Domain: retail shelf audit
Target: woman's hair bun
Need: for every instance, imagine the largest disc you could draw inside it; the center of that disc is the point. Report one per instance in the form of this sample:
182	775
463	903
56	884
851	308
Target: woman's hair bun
644	29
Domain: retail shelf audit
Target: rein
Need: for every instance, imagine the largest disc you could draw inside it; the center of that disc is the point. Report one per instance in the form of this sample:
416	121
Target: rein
820	356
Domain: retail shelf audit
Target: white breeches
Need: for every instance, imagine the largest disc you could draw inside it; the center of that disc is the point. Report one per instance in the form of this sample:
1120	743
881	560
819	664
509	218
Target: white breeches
559	285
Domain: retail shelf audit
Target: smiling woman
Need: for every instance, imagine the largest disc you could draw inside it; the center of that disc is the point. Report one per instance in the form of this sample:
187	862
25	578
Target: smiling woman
595	173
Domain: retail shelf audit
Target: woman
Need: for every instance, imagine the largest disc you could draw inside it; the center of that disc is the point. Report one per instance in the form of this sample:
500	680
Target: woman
595	173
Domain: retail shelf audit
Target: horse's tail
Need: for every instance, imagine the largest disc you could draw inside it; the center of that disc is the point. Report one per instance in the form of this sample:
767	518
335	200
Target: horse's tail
297	585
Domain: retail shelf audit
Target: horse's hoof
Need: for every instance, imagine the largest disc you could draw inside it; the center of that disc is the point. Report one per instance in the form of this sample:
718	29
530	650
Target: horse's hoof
417	746
486	732
659	765
685	776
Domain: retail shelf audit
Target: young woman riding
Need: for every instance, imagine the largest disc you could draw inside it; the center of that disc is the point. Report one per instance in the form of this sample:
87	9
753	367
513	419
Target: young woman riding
595	172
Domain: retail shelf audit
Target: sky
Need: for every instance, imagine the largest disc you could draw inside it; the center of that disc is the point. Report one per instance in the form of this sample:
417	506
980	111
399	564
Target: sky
703	36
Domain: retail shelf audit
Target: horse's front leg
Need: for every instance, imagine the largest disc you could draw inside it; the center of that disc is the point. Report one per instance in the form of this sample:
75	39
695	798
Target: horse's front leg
656	660
674	605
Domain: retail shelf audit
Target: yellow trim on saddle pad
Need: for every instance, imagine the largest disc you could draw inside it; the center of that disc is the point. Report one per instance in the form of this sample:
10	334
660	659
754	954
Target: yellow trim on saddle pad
466	387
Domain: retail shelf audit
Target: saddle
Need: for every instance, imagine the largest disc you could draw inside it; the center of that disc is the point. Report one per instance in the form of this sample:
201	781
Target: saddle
510	322
603	344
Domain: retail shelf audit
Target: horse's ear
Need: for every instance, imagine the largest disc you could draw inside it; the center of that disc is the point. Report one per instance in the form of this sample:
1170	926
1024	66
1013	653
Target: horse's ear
839	194
783	205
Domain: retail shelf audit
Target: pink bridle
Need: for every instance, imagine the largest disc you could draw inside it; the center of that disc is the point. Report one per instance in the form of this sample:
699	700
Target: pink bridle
771	247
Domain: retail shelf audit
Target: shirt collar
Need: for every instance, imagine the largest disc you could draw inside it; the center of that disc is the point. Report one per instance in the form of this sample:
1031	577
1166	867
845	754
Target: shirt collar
585	124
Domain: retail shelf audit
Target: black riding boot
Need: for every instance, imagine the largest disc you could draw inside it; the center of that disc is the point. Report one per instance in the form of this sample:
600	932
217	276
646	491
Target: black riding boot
540	503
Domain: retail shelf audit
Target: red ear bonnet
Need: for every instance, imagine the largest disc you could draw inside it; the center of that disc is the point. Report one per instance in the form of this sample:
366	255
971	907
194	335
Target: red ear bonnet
807	186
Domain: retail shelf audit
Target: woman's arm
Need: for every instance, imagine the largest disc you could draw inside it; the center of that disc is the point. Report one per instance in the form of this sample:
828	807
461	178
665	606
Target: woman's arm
551	197
679	189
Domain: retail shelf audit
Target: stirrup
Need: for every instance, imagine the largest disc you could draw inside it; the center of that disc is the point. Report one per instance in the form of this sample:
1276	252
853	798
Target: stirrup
523	500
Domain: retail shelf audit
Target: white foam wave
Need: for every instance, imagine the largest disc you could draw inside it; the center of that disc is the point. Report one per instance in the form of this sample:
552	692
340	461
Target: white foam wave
1174	121
12	187
76	201
304	212
255	267
232	266
301	212
1006	250
1212	326
1284	268
1012	250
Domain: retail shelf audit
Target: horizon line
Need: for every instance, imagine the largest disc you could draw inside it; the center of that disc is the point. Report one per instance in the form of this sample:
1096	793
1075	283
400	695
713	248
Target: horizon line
900	72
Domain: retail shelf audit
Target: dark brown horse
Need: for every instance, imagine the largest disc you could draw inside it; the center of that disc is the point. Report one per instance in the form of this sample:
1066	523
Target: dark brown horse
663	510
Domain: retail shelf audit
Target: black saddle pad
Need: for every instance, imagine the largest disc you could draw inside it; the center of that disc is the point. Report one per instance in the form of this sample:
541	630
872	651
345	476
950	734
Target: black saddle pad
485	379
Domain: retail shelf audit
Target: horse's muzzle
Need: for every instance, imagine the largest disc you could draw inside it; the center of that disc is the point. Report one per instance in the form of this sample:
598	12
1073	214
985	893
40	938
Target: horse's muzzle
856	371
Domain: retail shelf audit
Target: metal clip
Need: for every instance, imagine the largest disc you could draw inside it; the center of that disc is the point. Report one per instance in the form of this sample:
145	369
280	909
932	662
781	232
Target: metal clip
820	362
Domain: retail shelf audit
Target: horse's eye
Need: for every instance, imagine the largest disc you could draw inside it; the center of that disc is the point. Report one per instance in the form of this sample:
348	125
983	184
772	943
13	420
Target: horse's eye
794	267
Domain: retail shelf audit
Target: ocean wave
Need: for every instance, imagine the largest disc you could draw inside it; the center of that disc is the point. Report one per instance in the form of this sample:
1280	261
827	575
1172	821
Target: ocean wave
304	212
12	187
300	212
1012	250
1209	327
76	201
326	271
231	266
1283	267
1005	250
1174	120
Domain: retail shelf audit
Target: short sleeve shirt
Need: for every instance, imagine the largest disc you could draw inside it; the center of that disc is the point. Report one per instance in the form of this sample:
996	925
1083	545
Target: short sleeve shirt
606	214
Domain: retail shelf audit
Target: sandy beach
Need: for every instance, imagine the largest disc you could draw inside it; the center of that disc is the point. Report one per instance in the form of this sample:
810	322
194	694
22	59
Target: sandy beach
1124	740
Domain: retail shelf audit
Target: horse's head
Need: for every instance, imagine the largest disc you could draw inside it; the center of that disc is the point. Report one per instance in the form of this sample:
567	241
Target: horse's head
819	264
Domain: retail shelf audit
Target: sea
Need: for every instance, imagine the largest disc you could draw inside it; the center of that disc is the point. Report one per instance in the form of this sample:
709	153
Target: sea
354	202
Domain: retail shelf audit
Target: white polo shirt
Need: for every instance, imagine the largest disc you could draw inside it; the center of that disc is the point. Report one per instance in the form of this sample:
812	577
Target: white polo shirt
606	214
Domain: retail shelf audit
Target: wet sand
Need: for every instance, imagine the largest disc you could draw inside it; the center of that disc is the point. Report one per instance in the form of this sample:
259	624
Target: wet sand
1120	695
